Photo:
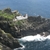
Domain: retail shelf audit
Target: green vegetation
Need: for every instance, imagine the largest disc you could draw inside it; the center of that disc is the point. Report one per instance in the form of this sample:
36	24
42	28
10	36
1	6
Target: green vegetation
0	47
6	16
6	34
1	31
7	13
9	35
18	23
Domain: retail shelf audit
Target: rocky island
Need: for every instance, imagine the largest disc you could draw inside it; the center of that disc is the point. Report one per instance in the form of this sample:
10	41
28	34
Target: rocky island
12	28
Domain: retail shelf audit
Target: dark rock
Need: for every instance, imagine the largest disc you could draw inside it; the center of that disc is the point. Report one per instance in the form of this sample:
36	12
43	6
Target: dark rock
7	10
8	40
3	47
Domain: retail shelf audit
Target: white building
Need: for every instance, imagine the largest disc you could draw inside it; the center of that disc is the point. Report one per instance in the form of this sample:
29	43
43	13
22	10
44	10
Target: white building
21	17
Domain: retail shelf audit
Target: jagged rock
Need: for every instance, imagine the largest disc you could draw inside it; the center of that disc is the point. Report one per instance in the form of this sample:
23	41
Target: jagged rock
8	40
7	10
9	30
3	47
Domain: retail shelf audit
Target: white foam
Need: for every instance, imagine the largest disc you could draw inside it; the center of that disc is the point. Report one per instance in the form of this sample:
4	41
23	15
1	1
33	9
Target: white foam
37	37
22	46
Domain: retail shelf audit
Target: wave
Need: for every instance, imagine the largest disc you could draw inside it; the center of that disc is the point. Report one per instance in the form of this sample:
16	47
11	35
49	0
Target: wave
37	37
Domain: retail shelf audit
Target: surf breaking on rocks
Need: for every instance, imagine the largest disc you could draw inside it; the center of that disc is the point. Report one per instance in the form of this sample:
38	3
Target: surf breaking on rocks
30	38
37	37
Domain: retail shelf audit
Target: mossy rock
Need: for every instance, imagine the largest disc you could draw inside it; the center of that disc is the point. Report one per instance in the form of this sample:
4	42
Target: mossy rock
1	31
0	47
7	10
10	36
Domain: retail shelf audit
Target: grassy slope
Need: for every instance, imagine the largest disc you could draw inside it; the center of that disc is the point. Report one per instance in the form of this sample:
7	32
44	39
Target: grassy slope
7	13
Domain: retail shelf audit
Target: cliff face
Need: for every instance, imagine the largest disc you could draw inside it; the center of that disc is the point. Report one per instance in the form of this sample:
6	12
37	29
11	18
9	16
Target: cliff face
7	30
8	40
10	30
38	26
4	47
31	26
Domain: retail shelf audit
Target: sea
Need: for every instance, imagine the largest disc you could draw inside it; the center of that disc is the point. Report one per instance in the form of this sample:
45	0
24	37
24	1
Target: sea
36	42
32	8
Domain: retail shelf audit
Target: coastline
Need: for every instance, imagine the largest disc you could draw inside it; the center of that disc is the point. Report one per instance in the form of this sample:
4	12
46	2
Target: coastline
11	30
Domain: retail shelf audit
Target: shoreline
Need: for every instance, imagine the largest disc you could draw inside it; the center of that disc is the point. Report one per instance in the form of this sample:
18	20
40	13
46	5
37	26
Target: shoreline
10	31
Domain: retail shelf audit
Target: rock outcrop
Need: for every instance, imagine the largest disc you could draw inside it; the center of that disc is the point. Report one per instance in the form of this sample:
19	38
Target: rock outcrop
10	30
8	40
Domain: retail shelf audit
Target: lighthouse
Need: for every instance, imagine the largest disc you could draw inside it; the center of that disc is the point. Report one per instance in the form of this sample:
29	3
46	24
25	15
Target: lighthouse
22	17
26	16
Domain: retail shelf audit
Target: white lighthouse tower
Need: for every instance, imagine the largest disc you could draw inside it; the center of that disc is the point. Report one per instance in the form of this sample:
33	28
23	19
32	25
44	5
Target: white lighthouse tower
26	16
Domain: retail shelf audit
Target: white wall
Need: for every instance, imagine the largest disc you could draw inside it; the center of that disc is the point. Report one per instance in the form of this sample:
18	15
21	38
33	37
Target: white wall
21	17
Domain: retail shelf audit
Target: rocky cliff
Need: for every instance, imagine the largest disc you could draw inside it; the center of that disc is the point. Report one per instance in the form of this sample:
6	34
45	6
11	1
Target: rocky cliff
11	30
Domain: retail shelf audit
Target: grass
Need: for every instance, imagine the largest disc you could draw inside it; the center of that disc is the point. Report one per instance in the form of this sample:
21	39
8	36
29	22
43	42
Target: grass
18	23
8	14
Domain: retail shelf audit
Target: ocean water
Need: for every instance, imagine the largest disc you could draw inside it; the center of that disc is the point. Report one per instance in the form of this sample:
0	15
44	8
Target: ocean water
36	42
31	7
